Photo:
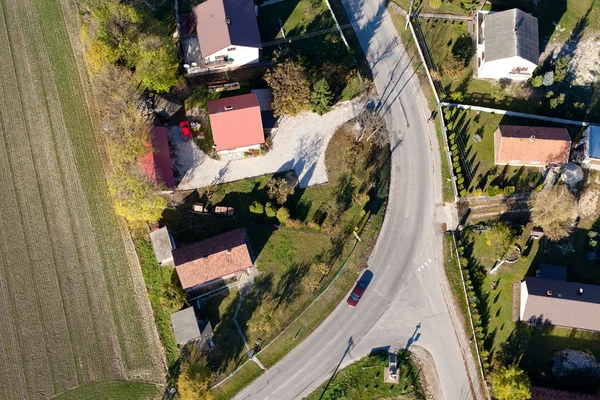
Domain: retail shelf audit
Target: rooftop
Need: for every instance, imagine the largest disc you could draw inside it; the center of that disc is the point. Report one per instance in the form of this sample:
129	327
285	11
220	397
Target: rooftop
223	23
211	259
511	33
156	163
162	244
562	303
187	328
551	145
594	141
236	122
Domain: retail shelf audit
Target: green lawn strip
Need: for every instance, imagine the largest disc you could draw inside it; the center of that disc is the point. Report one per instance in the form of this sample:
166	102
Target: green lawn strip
363	380
129	326
537	360
110	390
249	372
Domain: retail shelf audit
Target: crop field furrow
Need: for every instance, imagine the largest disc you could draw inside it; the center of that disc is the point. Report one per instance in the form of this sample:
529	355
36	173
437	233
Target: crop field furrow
88	305
35	206
126	302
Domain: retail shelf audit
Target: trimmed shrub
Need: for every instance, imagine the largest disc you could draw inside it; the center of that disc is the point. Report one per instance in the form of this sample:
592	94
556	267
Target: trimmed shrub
561	68
270	210
493	191
509	190
463	193
458	169
452	135
461	181
536	81
435	3
283	215
257	208
455	158
548	78
477	192
454	147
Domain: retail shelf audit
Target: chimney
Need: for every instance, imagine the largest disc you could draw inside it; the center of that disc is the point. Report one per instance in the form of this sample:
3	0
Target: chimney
228	20
549	293
580	291
532	138
228	108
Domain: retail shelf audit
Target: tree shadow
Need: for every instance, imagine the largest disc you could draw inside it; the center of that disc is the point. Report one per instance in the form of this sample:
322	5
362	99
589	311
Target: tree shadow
289	285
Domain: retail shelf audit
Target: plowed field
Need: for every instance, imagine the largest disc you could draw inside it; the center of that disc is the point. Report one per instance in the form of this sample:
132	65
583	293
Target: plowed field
73	306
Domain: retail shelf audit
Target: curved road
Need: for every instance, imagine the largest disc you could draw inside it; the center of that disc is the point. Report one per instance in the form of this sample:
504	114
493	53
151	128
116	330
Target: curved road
407	298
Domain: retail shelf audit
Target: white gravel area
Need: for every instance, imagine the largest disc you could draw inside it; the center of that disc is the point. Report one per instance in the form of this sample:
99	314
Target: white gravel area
299	143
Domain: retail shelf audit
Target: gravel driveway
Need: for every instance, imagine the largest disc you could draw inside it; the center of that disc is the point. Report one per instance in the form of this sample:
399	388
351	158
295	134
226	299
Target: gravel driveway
299	143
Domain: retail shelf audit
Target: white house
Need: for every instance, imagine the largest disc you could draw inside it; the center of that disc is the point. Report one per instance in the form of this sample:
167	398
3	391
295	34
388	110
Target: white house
227	34
507	44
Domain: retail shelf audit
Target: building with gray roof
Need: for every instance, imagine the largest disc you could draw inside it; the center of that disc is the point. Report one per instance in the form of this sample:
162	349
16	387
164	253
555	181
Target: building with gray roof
507	44
188	329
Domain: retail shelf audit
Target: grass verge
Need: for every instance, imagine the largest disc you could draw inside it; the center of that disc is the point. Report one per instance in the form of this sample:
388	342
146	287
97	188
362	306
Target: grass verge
109	390
241	379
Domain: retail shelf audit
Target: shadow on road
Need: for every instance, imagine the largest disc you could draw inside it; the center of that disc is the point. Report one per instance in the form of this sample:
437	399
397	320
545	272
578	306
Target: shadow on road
348	348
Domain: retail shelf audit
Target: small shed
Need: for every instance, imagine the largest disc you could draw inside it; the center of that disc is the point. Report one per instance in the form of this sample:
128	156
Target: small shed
166	105
187	328
163	245
537	233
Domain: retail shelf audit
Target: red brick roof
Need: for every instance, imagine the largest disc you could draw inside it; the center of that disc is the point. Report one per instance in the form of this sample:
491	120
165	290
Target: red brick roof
156	163
212	258
236	122
531	145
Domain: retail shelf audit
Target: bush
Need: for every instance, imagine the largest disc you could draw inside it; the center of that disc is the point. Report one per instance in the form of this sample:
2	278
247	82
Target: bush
435	3
283	215
454	147
536	81
493	191
457	97
452	135
549	94
461	181
548	78
270	210
463	193
509	190
561	68
278	189
477	192
497	93
257	208
463	49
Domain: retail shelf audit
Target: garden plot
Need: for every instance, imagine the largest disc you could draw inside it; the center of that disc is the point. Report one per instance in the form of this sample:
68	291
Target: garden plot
74	310
299	144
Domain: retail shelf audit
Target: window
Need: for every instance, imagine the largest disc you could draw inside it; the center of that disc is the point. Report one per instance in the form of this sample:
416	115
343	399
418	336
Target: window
231	49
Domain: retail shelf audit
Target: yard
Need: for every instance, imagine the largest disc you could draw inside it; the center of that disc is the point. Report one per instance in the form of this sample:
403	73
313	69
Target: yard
363	380
297	259
74	305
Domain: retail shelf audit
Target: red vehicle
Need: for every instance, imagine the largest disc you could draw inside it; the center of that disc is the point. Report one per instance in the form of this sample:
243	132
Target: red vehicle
186	130
356	294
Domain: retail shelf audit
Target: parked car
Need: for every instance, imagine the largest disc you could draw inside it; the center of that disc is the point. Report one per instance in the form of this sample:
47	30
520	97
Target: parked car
186	130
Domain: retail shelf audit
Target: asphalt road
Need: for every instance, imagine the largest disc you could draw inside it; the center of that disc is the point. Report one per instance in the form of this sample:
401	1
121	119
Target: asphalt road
406	302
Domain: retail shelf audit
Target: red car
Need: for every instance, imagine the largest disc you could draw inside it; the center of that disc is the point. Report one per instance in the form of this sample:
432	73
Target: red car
357	293
186	130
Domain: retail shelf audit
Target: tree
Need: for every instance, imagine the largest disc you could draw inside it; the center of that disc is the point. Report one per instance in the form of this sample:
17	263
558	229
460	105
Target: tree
194	382
278	189
283	215
561	68
291	91
493	190
509	190
536	81
548	78
157	64
463	49
511	383
457	97
497	93
320	98
369	124
553	211
499	239
453	67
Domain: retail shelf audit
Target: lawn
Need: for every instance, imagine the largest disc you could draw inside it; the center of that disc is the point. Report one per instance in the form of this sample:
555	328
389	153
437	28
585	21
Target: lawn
363	380
111	390
564	20
288	255
246	374
75	308
447	7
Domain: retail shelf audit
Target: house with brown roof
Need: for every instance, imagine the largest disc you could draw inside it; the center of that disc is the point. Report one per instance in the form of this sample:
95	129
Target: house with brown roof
236	123
560	303
228	35
156	160
531	146
212	261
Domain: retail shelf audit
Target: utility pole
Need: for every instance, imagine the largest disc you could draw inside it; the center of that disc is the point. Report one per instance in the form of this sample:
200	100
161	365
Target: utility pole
408	14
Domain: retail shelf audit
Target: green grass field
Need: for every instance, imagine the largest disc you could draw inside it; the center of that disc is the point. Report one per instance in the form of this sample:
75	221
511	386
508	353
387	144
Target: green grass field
75	309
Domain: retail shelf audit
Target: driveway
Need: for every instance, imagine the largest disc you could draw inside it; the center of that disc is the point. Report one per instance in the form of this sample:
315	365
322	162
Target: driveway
299	143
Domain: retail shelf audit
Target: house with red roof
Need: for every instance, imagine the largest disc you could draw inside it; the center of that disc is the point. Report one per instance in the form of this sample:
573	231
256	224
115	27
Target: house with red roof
236	123
156	162
531	146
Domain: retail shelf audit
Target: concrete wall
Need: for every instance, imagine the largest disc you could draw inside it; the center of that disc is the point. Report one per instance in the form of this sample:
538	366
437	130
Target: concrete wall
240	149
524	295
241	55
499	69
